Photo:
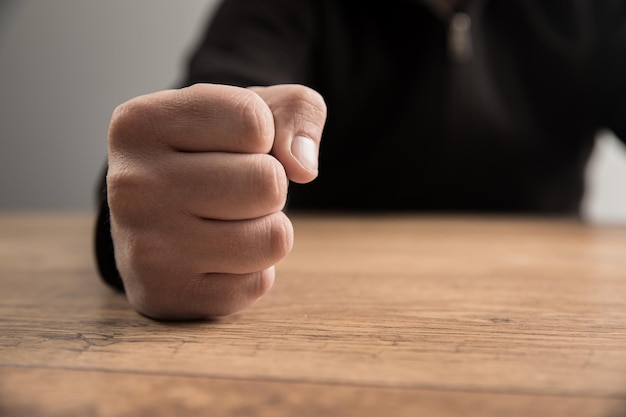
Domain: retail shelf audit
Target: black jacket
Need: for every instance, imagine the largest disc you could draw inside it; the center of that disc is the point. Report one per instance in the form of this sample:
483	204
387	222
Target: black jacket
506	124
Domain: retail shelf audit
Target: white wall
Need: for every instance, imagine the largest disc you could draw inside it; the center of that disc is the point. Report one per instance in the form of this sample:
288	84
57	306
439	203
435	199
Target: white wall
66	64
605	199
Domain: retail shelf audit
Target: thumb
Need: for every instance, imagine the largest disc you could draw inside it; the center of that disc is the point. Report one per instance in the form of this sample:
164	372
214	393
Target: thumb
299	117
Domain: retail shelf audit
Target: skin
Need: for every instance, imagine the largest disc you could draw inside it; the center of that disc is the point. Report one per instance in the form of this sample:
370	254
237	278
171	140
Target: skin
196	184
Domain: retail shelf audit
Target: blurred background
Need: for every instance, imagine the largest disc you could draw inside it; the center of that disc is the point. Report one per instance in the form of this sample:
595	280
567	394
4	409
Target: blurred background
66	64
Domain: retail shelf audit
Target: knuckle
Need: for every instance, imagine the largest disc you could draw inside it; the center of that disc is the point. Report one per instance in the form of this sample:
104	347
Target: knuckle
280	236
305	110
258	244
263	282
129	192
257	122
270	182
128	121
307	101
119	189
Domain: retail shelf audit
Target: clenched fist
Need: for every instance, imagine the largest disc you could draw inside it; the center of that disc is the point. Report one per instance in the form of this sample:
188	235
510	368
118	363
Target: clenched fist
196	183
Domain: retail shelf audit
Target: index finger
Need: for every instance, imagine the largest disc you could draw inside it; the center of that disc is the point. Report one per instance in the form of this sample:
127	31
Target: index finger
200	118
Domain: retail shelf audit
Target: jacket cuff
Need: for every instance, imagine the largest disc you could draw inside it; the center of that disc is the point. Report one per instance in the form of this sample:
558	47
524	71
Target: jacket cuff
103	245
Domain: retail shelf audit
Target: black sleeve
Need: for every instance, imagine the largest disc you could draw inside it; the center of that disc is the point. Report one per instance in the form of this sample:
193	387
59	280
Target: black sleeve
105	258
610	65
251	42
248	42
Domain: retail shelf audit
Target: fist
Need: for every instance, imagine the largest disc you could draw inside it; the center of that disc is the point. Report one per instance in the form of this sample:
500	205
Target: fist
196	183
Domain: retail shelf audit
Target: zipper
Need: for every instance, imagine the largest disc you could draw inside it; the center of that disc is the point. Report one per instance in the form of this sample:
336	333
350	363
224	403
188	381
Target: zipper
459	26
460	37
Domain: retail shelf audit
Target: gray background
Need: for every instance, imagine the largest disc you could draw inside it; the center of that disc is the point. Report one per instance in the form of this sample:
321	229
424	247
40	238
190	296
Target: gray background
66	64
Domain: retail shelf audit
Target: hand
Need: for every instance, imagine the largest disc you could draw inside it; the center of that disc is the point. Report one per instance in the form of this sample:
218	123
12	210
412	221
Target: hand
196	183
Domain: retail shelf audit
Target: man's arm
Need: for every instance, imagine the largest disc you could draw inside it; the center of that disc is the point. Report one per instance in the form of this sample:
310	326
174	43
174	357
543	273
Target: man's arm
262	43
133	169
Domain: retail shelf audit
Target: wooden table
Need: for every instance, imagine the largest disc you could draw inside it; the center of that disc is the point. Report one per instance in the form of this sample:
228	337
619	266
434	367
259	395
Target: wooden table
369	316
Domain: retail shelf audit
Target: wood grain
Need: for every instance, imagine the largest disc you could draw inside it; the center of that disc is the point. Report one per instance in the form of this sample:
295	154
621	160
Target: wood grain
413	315
70	393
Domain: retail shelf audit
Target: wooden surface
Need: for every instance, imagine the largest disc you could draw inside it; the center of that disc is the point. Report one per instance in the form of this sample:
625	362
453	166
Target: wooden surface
369	316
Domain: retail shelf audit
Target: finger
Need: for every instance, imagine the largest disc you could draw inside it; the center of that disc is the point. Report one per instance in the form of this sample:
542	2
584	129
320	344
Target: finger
200	296
198	246
213	185
299	117
224	186
237	246
200	118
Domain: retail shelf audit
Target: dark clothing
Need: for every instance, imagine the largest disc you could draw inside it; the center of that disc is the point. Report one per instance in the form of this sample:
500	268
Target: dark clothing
412	127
